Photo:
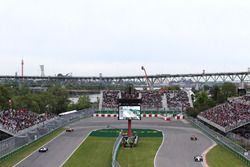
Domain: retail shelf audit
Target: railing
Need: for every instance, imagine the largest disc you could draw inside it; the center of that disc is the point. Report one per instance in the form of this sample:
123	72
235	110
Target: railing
225	142
115	150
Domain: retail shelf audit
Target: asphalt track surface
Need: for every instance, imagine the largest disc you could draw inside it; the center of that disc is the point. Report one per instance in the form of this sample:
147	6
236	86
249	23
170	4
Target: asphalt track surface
177	149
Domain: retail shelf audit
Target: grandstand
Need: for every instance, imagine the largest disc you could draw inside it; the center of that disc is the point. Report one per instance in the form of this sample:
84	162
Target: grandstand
15	121
178	99
152	100
231	115
109	99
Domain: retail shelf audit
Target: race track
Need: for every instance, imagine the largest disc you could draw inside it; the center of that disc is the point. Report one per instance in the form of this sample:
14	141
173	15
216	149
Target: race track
177	149
59	150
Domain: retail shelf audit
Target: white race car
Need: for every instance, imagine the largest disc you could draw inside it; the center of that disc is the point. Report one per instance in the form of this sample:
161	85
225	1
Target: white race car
198	158
43	149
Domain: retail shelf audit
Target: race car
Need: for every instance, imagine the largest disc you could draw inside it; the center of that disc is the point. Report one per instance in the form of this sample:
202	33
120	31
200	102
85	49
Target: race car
43	149
193	138
198	158
69	130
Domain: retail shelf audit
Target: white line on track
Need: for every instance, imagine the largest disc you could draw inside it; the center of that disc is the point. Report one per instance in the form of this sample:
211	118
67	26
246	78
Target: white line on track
77	148
204	163
163	139
38	148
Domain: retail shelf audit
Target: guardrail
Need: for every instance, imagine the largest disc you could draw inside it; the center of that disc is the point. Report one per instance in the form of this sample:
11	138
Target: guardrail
115	150
225	142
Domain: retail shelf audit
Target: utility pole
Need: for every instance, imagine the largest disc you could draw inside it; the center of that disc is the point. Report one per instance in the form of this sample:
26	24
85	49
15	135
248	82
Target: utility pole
22	63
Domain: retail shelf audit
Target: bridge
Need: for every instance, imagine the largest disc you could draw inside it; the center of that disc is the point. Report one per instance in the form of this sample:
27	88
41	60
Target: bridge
156	80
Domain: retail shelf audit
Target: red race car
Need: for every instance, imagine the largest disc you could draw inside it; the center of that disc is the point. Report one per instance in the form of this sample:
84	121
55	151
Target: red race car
193	138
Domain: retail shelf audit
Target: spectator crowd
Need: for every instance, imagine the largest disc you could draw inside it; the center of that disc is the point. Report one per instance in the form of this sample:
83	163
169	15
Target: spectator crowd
231	114
177	99
126	95
110	98
151	99
17	120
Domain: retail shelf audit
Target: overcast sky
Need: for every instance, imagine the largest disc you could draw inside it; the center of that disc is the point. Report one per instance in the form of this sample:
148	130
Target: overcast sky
117	37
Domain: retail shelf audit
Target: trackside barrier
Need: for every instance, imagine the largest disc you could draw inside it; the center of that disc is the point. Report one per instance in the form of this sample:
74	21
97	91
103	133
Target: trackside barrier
225	142
115	150
15	144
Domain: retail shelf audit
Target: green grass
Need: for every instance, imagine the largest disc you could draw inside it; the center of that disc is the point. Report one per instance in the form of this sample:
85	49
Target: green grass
221	157
141	155
27	150
95	151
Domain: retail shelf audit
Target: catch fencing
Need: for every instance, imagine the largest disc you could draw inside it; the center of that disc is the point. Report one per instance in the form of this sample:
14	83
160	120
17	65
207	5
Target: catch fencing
11	145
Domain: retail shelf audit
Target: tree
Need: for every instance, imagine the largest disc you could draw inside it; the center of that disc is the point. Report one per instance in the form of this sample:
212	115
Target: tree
221	93
228	90
206	87
4	98
83	102
203	101
58	99
216	94
175	87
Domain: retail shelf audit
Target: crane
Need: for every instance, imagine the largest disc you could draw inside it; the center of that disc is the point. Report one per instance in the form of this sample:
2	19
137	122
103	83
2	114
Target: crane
146	76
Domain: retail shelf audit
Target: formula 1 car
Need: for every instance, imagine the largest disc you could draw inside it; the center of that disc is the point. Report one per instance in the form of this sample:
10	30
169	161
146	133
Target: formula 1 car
193	138
43	149
198	158
69	130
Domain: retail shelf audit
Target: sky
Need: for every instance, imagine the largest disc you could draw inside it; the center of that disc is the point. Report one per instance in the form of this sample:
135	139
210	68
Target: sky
117	37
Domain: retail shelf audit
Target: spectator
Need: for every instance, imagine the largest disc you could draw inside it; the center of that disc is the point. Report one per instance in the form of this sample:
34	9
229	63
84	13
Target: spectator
233	113
151	100
177	99
16	120
110	98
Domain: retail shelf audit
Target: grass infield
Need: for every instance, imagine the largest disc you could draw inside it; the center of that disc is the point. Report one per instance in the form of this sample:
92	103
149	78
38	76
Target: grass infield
141	155
27	150
221	157
95	151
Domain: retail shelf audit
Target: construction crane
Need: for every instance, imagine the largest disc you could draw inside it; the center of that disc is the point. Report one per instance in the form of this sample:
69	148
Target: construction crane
146	76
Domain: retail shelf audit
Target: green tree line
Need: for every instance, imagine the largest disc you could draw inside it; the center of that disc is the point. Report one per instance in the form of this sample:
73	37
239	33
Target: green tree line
211	96
54	100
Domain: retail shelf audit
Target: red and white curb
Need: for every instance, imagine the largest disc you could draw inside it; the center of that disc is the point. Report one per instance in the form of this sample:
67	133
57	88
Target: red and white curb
180	116
115	115
169	118
166	118
105	115
149	115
